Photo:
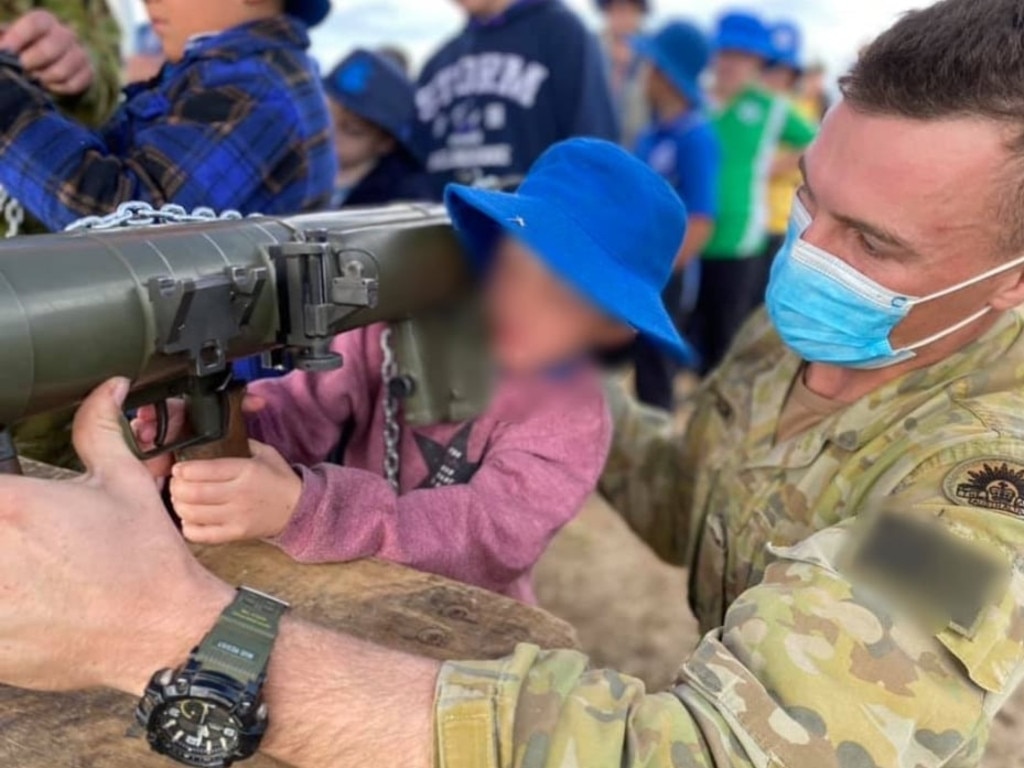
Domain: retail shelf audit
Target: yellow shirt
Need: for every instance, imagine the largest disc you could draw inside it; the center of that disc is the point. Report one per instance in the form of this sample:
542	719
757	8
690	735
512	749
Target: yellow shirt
781	189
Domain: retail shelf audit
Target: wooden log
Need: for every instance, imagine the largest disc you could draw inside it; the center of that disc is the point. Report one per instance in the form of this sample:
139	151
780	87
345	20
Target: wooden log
375	600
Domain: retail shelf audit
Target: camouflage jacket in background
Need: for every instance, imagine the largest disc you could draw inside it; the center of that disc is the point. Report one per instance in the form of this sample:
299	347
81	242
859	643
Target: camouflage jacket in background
98	32
806	662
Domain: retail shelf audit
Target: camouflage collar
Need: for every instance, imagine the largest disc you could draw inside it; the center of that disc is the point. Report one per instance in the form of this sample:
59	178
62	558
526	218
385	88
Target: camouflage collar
857	425
773	369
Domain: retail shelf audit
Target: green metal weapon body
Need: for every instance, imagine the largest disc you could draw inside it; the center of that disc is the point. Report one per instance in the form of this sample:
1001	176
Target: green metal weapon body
170	307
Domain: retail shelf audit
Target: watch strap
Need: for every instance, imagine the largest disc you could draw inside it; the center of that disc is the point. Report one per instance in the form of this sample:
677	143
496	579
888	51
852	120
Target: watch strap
240	643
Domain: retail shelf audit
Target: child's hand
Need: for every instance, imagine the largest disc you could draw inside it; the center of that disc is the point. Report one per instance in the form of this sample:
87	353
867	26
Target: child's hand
144	427
224	500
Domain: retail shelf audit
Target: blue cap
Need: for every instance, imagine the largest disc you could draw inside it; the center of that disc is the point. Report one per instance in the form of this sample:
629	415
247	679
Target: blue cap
312	12
602	221
374	88
744	32
786	46
681	51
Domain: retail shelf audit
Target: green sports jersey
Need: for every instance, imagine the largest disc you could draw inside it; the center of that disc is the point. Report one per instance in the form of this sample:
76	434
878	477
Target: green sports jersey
750	130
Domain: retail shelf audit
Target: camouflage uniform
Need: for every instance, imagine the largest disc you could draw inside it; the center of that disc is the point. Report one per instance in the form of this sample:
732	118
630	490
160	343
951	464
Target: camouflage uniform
47	437
98	32
805	662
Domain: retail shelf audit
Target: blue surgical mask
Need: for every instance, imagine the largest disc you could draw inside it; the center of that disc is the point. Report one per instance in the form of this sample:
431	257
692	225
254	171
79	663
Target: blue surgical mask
828	312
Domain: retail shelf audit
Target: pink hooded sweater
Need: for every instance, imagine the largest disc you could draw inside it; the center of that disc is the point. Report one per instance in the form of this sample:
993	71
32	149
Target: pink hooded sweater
479	501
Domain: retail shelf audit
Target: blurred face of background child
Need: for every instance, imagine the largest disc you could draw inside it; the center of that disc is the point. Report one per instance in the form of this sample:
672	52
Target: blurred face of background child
624	18
483	8
358	142
538	322
734	71
176	21
781	80
664	97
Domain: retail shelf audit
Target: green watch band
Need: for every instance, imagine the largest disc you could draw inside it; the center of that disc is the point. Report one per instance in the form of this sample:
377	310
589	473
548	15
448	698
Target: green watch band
240	643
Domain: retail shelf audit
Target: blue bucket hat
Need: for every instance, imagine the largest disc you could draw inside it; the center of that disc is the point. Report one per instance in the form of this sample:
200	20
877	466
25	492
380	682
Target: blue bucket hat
312	12
745	32
375	88
786	46
602	221
681	51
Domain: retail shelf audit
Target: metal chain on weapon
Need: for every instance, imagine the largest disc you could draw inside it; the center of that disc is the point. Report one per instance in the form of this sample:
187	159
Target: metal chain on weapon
392	428
14	213
139	214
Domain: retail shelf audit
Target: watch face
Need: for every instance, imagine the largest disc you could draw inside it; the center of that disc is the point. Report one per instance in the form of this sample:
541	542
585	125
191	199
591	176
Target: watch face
196	732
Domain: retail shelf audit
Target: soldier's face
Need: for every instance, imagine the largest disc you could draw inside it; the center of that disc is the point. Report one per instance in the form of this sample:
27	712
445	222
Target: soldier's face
537	321
917	207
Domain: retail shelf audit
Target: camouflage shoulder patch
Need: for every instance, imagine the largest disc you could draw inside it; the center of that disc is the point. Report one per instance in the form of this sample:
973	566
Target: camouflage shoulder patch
988	482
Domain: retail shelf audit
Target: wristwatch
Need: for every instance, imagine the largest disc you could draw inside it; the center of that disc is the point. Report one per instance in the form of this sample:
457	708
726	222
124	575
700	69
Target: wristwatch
210	712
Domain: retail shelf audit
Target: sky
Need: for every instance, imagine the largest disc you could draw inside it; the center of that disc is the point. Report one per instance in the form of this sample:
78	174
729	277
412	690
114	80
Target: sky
834	29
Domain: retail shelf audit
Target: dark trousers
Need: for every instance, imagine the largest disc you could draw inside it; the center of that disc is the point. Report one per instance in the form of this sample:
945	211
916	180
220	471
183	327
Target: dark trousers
655	370
730	290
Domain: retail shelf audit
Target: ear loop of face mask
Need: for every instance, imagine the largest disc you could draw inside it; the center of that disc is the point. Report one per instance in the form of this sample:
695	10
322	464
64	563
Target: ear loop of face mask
804	220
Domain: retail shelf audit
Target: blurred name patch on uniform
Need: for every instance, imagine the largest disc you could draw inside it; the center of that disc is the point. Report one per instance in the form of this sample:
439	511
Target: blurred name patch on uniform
919	564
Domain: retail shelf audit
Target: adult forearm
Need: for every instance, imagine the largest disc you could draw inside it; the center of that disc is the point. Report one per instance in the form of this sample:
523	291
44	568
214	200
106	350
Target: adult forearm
335	700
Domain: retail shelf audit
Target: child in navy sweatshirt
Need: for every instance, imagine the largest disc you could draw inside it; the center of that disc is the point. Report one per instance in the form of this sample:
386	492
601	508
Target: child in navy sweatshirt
521	76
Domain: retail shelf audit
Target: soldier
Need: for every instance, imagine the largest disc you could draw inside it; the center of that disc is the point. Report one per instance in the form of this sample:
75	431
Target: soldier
847	493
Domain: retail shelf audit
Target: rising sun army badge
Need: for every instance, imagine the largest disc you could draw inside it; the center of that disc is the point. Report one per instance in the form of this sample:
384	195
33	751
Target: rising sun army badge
989	483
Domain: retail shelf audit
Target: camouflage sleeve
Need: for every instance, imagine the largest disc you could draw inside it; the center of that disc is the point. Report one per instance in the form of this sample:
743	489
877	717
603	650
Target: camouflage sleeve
642	479
824	663
99	33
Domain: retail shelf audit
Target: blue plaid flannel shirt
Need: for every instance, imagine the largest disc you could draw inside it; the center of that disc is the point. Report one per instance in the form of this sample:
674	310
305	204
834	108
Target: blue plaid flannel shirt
240	122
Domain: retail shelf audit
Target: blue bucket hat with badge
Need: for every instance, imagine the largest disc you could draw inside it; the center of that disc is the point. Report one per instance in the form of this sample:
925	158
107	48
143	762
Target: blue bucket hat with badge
375	88
600	219
786	46
312	12
681	51
744	32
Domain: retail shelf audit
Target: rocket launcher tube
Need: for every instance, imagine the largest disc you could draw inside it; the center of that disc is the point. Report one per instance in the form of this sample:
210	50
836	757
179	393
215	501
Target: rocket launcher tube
170	307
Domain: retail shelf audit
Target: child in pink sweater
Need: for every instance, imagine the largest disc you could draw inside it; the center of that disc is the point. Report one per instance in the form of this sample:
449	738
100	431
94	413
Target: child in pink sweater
477	501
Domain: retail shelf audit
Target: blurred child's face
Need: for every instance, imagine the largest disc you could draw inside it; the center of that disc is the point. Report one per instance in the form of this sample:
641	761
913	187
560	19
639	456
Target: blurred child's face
780	79
624	17
356	140
657	88
484	8
176	21
537	321
735	70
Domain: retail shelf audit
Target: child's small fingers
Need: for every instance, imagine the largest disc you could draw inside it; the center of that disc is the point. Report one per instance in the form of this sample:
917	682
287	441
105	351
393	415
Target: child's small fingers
199	494
211	470
145	432
201	514
206	534
253	403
